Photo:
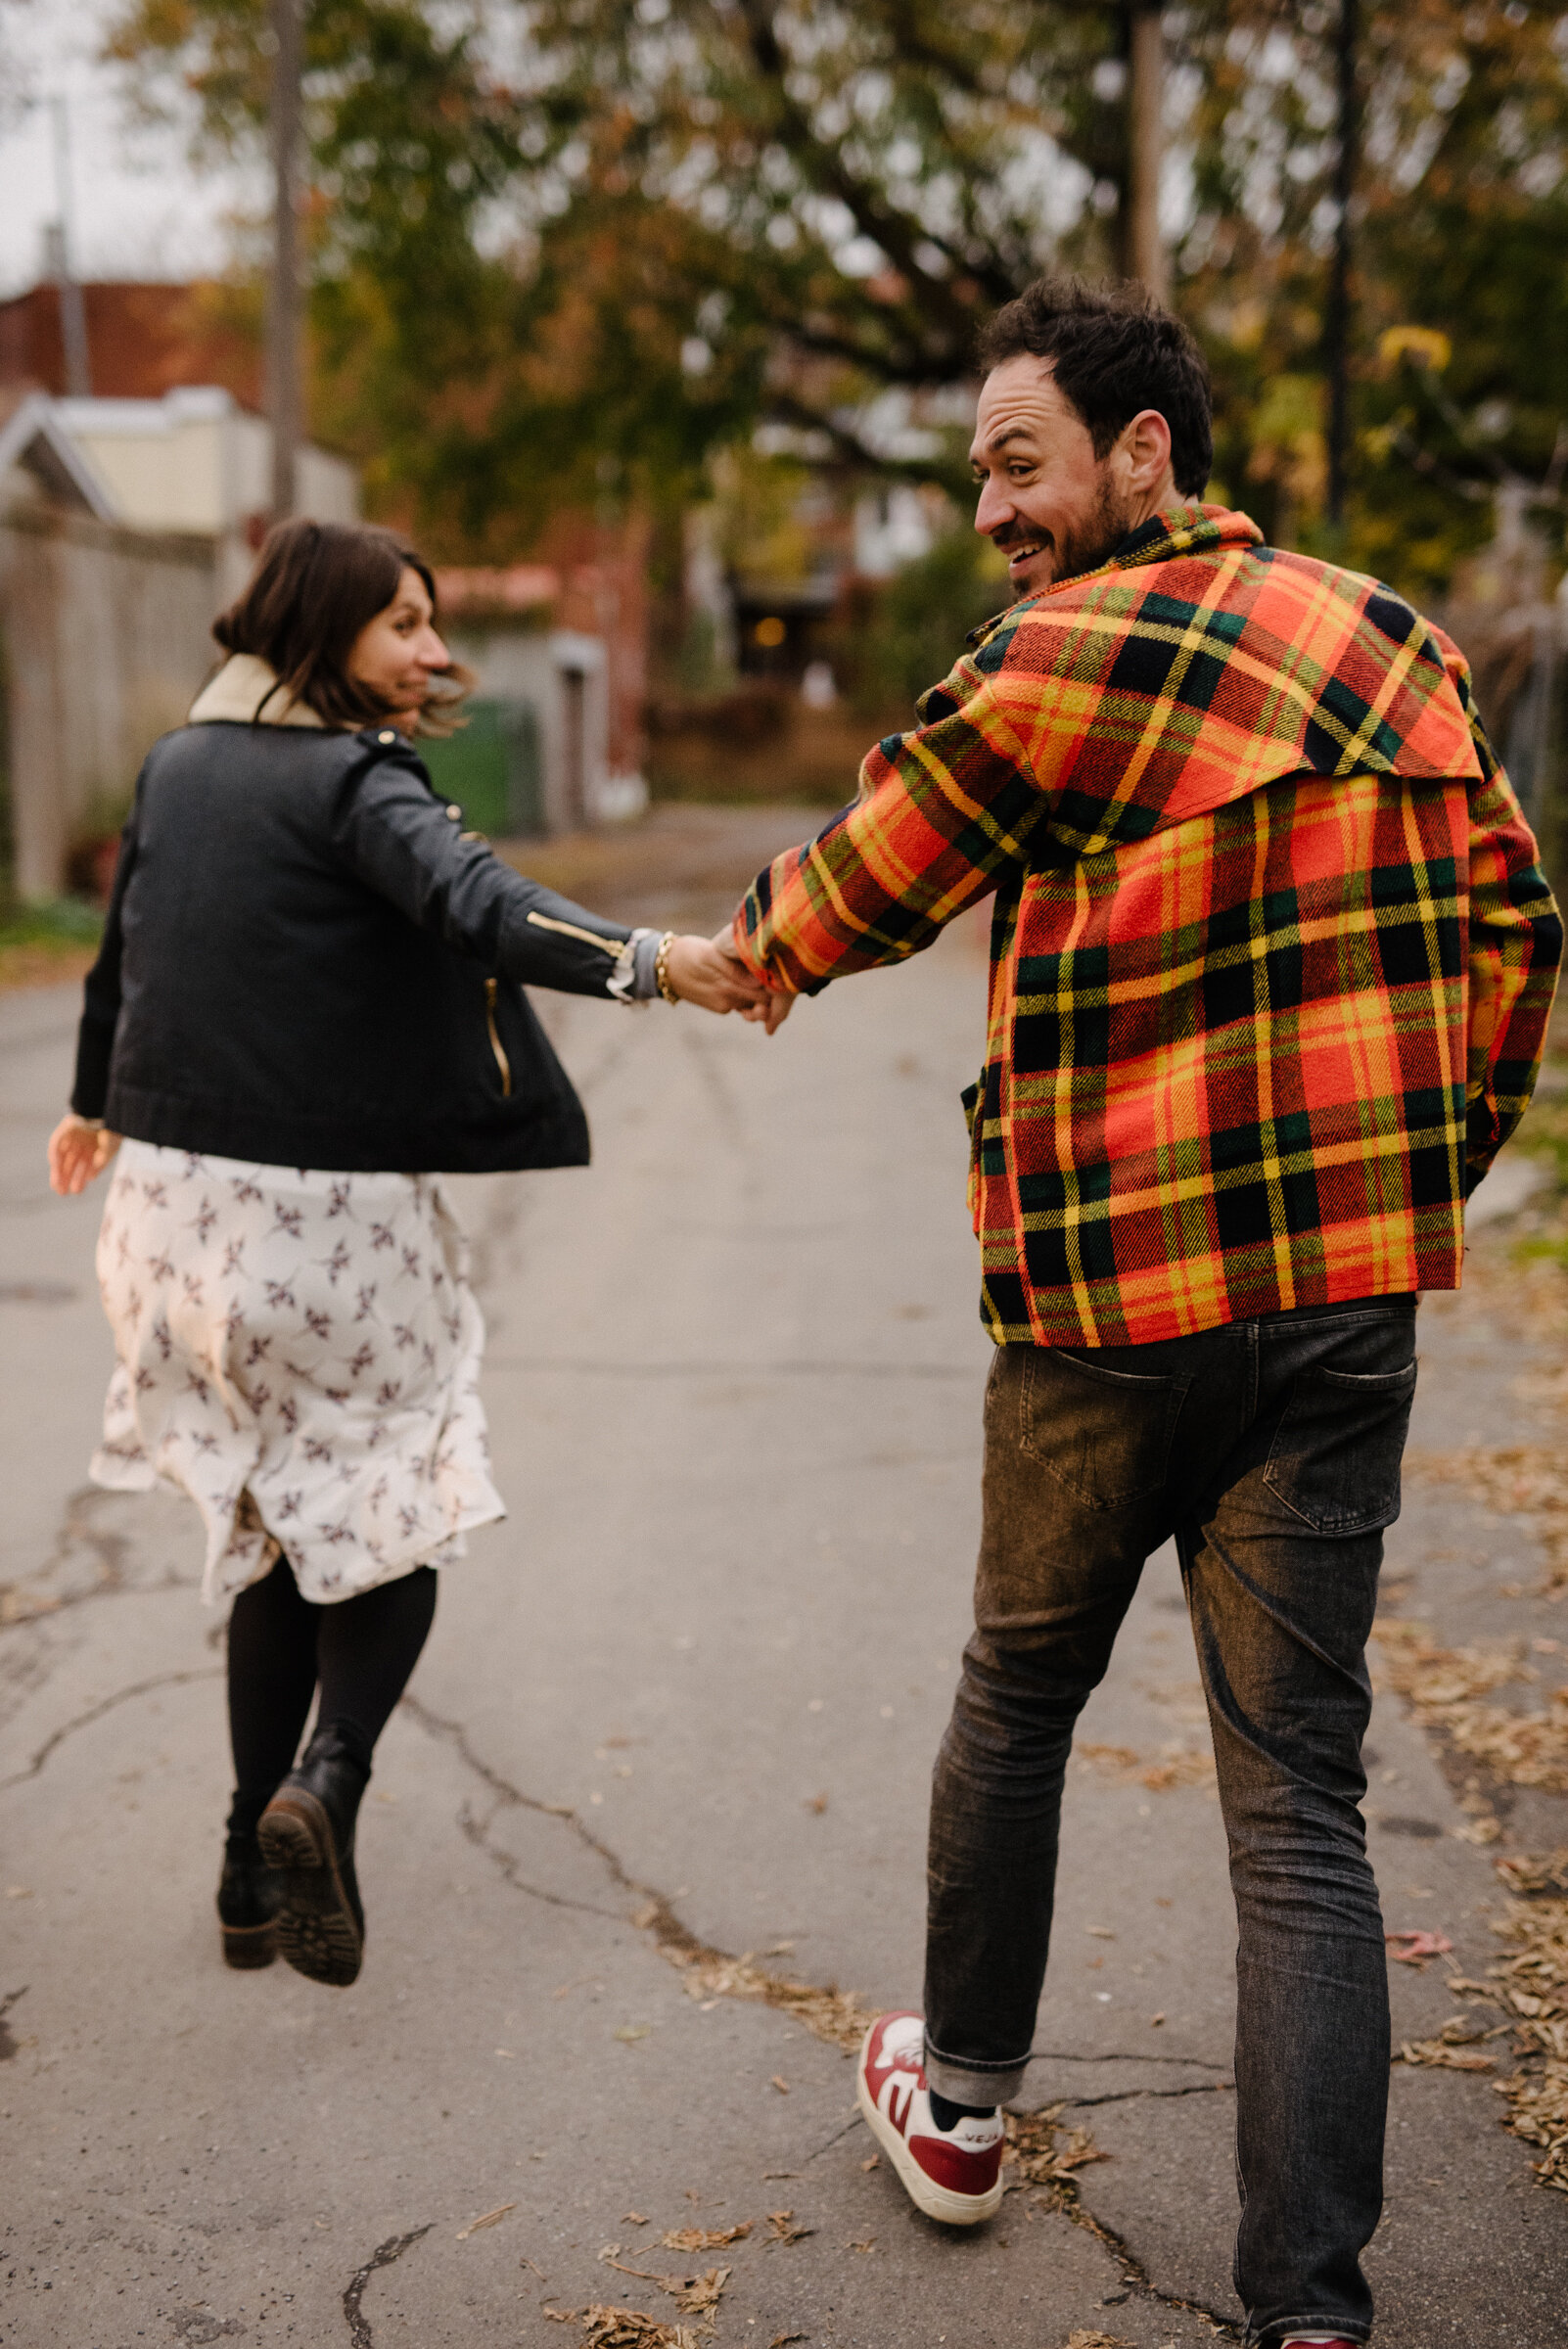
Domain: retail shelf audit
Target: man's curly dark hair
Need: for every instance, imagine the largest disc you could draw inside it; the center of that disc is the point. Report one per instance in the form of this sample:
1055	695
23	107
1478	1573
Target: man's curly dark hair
1113	351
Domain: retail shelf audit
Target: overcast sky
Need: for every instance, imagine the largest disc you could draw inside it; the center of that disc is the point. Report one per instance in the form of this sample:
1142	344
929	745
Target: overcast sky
139	208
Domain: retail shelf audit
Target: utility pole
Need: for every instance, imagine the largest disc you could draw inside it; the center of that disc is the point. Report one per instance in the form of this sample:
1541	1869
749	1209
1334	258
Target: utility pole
1143	249
58	243
285	386
1337	308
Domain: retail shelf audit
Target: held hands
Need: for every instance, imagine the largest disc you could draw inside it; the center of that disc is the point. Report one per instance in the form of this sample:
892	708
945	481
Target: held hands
79	1152
700	971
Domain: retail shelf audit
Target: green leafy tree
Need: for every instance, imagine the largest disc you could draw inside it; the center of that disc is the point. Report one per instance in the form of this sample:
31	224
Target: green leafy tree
667	221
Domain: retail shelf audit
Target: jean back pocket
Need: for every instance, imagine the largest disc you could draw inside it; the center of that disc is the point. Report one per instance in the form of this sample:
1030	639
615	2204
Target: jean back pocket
1335	1457
1104	1434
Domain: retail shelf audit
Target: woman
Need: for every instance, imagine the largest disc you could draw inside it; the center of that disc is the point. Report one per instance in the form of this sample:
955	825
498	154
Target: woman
307	1008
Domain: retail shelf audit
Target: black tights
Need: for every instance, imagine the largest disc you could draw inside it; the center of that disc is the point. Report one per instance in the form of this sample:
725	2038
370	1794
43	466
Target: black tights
361	1650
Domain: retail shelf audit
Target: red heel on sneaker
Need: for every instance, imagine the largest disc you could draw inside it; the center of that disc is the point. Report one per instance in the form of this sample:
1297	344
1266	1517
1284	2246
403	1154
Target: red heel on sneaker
951	2173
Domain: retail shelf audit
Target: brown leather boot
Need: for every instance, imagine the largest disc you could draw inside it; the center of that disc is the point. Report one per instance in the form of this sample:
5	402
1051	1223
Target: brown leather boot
308	1834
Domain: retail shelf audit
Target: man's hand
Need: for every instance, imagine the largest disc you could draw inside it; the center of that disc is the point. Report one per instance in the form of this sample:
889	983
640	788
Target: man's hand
79	1152
772	1007
699	974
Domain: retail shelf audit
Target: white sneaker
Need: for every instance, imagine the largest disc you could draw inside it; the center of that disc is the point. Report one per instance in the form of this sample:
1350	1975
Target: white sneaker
951	2173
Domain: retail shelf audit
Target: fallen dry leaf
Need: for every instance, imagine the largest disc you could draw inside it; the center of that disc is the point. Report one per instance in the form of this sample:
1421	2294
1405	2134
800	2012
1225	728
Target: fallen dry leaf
1532	1984
829	2014
782	2341
634	2329
832	2014
1442	2057
1529	1749
867	2242
785	2230
1098	2340
635	2218
1179	1766
1031	2149
1416	1948
632	2031
707	2239
705	2292
534	2265
782	2085
1523	1871
872	2161
490	2219
1513	1480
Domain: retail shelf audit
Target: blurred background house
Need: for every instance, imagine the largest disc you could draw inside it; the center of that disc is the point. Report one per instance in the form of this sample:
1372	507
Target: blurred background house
131	513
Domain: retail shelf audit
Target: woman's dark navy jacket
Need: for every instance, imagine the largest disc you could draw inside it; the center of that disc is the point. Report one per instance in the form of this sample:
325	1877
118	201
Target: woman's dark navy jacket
306	963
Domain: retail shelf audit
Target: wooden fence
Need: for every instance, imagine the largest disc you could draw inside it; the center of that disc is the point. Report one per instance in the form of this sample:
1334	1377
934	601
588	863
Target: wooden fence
104	634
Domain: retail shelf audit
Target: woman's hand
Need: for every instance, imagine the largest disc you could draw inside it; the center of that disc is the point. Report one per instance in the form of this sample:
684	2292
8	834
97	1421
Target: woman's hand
79	1152
699	974
772	1006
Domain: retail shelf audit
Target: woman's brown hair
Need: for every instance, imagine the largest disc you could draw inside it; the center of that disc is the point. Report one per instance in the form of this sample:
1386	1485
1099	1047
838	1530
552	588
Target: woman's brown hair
316	586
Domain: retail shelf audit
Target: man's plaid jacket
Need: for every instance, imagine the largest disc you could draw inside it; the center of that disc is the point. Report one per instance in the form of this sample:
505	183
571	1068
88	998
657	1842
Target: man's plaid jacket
1271	955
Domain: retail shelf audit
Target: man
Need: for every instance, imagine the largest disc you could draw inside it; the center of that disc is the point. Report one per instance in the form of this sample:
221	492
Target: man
1272	962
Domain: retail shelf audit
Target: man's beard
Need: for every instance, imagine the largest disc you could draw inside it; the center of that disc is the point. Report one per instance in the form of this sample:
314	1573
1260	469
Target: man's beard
1102	534
1090	545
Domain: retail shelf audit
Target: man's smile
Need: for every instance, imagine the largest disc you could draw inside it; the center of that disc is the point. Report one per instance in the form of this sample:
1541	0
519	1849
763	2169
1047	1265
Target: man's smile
1023	550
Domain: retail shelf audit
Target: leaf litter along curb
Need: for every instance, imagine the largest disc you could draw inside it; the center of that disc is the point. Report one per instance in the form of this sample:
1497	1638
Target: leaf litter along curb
1530	1988
1512	1480
1442	1685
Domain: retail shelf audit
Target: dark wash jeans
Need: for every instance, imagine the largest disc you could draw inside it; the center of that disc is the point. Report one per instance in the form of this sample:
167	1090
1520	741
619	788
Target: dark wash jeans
1271	1449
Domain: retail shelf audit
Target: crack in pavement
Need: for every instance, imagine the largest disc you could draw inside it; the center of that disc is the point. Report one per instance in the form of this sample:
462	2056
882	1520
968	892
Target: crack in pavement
26	1600
354	2293
828	2014
477	1831
108	1704
76	1530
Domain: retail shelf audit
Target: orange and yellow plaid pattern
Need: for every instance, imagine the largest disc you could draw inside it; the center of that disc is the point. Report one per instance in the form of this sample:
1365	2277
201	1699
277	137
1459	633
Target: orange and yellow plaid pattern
1271	955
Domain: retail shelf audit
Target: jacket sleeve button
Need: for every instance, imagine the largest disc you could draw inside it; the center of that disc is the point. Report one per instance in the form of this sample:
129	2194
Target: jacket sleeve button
386	735
454	811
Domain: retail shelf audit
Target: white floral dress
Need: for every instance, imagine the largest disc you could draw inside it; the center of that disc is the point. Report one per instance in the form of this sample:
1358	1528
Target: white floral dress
299	1352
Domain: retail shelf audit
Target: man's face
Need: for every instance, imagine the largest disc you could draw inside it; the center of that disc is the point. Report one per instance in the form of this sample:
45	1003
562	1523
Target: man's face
1051	505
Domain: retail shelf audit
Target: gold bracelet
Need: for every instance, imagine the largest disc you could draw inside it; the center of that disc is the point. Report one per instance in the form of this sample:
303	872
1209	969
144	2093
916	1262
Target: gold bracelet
662	968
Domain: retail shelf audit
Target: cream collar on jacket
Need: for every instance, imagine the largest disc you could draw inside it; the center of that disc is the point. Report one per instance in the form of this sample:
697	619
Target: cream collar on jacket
238	692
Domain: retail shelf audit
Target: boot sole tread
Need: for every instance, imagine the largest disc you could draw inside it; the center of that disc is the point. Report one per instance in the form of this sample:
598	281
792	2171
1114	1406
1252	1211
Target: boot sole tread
317	1932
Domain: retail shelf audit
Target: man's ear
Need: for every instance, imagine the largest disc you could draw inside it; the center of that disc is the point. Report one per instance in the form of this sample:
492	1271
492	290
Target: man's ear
1146	441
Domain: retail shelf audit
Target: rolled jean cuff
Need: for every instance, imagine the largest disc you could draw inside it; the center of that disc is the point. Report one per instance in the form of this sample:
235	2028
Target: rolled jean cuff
963	2081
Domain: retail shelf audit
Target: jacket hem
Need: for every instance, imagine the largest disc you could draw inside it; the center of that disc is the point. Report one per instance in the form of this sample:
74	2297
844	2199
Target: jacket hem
556	1137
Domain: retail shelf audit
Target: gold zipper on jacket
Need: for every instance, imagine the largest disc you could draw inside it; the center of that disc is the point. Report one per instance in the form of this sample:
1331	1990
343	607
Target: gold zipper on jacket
606	946
492	989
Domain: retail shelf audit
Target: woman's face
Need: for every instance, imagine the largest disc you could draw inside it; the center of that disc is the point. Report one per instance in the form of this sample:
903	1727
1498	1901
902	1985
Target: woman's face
398	652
